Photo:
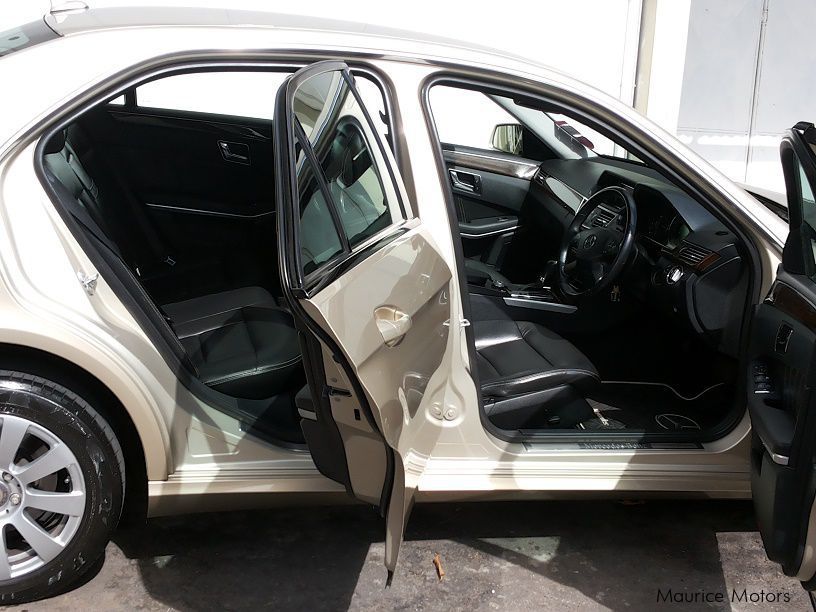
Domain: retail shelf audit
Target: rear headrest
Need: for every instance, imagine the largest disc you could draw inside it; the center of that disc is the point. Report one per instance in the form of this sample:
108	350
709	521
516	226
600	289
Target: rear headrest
55	143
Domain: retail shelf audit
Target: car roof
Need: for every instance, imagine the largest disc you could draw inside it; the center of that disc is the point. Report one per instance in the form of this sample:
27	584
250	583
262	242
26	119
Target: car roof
134	16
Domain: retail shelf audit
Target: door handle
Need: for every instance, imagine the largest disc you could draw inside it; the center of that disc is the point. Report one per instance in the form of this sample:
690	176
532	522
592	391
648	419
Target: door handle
236	152
466	181
392	324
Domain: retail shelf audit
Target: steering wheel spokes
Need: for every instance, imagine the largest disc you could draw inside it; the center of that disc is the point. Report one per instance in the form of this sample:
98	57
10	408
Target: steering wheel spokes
598	242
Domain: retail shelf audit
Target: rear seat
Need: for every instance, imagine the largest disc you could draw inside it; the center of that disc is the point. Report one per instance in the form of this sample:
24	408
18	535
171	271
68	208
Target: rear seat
241	342
166	276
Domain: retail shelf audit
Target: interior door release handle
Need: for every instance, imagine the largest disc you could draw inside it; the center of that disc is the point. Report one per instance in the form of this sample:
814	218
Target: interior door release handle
466	181
236	152
392	323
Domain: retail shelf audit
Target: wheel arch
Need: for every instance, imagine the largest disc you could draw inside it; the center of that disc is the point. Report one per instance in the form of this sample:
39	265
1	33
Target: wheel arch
143	459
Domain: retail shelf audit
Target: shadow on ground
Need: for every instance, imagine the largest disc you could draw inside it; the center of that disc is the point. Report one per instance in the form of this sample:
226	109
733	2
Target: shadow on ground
534	555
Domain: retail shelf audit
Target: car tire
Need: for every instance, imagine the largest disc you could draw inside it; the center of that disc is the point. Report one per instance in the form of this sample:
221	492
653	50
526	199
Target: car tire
67	511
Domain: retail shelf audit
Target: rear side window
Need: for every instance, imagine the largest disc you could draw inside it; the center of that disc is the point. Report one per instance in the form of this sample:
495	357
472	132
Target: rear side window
239	94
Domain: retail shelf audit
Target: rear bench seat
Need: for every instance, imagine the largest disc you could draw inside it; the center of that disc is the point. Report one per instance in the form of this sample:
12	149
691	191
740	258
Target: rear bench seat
241	341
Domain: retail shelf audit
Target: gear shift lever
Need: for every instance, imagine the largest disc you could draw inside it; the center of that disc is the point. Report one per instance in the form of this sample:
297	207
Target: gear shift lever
545	280
550	270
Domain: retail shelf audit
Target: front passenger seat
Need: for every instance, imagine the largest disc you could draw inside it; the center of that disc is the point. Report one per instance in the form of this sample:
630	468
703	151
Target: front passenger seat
524	369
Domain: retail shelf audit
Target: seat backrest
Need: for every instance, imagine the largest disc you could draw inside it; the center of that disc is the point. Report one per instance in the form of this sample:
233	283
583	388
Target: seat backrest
66	156
61	159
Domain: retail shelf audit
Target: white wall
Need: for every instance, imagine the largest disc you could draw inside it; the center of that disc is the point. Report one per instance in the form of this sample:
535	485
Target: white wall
746	82
585	38
594	40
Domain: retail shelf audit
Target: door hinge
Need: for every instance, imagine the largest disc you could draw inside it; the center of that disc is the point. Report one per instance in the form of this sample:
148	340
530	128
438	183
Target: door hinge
462	323
88	282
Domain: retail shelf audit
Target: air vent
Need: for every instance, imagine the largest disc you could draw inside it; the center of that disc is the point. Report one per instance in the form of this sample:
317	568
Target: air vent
603	218
692	254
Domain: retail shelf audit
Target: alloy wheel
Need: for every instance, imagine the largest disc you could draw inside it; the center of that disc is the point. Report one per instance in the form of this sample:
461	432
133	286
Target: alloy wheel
42	496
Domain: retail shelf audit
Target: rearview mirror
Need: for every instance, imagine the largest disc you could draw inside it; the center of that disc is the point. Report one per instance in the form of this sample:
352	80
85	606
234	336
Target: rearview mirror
507	138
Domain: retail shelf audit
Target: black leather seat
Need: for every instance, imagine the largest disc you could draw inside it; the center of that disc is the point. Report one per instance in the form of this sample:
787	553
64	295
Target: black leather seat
517	358
240	341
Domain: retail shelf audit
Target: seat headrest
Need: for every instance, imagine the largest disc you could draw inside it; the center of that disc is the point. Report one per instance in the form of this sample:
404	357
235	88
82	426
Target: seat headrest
55	143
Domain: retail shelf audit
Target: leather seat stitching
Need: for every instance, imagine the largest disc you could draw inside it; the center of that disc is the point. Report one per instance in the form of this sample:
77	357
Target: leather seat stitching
254	372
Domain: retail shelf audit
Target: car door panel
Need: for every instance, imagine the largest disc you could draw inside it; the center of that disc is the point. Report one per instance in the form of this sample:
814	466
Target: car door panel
376	313
782	350
489	193
173	163
502	186
781	376
345	310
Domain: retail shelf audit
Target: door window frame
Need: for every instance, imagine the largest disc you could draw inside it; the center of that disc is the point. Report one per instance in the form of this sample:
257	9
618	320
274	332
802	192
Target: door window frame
798	159
306	285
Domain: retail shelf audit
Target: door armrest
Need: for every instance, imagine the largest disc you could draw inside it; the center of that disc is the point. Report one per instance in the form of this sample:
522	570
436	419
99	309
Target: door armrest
774	426
488	226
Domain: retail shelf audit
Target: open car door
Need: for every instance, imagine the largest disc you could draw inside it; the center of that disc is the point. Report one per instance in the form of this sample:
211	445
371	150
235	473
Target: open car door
370	293
782	375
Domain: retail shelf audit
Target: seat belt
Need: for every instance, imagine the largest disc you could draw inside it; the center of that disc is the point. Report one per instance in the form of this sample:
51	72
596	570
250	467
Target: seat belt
78	212
84	218
156	247
154	251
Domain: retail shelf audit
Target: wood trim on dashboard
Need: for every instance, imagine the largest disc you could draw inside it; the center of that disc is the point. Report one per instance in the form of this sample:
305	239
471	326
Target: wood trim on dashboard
786	299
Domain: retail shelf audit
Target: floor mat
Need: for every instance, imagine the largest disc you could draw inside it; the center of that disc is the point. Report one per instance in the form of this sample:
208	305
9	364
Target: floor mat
655	407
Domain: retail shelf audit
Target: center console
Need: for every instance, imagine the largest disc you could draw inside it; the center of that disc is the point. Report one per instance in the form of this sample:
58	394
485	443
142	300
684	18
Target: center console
536	296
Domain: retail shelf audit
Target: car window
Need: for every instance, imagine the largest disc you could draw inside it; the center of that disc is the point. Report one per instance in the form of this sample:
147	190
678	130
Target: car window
471	118
365	202
807	197
465	117
25	36
319	238
239	94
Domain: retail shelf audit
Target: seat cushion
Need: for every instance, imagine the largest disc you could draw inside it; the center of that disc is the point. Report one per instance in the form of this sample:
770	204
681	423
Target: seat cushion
240	341
516	358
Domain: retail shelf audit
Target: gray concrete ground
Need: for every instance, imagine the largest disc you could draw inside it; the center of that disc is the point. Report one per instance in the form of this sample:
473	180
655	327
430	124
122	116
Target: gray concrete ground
594	555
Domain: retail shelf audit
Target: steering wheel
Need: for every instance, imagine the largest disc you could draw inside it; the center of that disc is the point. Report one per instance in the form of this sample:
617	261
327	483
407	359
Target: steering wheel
598	242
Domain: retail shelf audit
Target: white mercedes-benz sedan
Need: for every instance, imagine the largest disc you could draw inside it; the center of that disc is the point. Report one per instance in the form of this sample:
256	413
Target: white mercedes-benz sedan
249	259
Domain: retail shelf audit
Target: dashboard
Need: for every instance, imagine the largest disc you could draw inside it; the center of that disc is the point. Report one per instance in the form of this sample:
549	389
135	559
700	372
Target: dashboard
658	221
688	263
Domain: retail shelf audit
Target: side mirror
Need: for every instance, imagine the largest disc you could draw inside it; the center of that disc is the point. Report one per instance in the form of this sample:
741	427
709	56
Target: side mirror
507	138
